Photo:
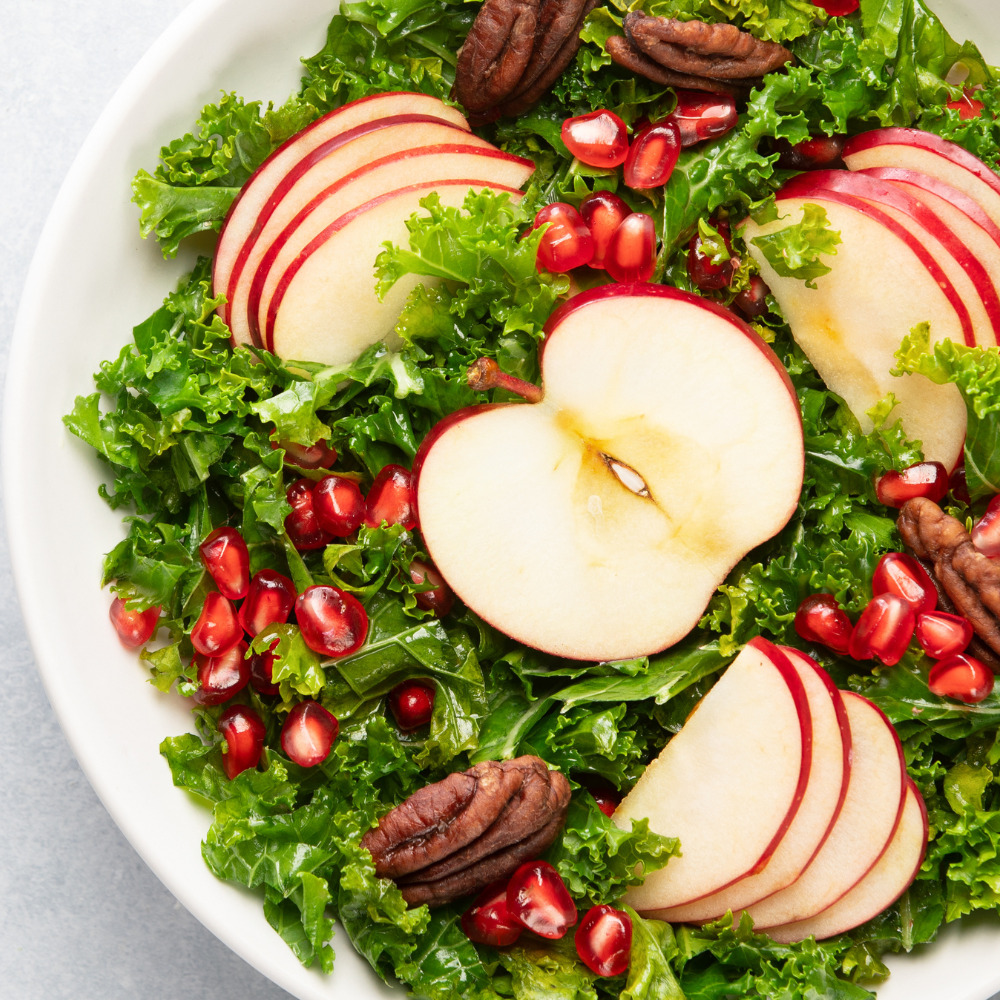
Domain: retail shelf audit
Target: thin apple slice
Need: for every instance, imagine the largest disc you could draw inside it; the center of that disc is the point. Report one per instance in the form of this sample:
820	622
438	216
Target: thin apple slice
325	308
825	794
867	822
730	783
880	888
252	198
929	154
851	324
402	169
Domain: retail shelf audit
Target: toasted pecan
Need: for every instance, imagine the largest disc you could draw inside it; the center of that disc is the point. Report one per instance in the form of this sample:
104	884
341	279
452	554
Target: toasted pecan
626	54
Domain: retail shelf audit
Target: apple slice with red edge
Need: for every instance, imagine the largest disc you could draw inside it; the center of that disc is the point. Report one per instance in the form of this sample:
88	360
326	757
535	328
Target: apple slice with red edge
729	784
828	779
255	193
871	811
597	522
880	888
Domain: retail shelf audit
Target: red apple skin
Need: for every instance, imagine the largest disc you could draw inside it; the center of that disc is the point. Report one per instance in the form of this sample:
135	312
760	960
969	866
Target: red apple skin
812	186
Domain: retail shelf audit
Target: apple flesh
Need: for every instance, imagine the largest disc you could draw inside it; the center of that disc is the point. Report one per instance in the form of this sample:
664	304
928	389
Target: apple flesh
745	752
597	523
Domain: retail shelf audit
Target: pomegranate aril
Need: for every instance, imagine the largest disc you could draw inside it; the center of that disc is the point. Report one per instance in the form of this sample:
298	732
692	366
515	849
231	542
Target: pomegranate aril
986	532
338	505
702	270
942	635
262	671
820	619
966	105
220	677
925	479
962	677
603	213
567	243
269	601
958	486
883	630
302	525
412	704
332	623
752	301
487	920
604	940
440	599
818	152
313	456
652	156
227	560
837	8
217	629
391	499
308	733
244	733
631	254
699	116
607	798
900	574
538	900
134	628
599	139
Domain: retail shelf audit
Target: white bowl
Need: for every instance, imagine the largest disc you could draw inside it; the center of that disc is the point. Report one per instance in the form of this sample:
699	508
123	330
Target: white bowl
91	281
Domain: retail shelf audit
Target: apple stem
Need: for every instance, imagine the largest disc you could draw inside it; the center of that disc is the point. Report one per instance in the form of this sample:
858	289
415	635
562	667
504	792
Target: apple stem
485	374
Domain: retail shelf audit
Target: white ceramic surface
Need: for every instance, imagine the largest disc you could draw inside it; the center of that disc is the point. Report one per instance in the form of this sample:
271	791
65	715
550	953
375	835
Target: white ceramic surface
91	280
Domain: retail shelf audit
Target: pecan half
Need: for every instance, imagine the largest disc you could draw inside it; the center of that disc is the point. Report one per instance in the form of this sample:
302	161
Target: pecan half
626	54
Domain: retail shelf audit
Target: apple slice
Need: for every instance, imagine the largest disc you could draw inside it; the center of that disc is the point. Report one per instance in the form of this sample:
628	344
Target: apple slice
730	783
596	523
824	797
881	887
255	193
403	169
867	821
851	324
929	154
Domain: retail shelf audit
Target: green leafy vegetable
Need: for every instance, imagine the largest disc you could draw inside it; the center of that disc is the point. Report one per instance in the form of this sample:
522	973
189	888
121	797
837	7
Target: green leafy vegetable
794	251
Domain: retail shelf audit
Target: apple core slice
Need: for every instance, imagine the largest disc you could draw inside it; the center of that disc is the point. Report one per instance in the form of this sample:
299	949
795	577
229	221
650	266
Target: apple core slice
597	523
730	783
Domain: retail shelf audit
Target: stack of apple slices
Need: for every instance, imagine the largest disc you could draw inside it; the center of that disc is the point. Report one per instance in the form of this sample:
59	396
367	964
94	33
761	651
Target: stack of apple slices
790	799
295	259
919	218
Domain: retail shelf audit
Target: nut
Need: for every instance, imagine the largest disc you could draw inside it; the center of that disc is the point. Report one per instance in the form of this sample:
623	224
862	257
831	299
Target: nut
626	54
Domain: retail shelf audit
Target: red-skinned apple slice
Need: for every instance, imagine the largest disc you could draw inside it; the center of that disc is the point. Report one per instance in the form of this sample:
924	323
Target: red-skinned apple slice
850	328
913	149
880	888
255	193
404	169
828	779
729	784
596	523
867	822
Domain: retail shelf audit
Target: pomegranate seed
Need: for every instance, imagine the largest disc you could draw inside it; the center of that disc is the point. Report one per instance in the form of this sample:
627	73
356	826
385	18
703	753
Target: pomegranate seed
986	533
603	213
338	505
262	671
308	733
227	560
900	574
538	900
699	116
487	920
883	630
752	301
942	635
134	628
269	601
653	155
302	525
604	940
707	275
244	733
820	619
966	106
631	254
217	629
599	139
412	704
333	623
313	456
607	798
567	242
925	479
391	499
958	486
440	599
818	152
838	8
961	677
220	677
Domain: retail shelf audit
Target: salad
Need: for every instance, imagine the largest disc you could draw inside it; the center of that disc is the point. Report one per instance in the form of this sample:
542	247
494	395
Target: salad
569	494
